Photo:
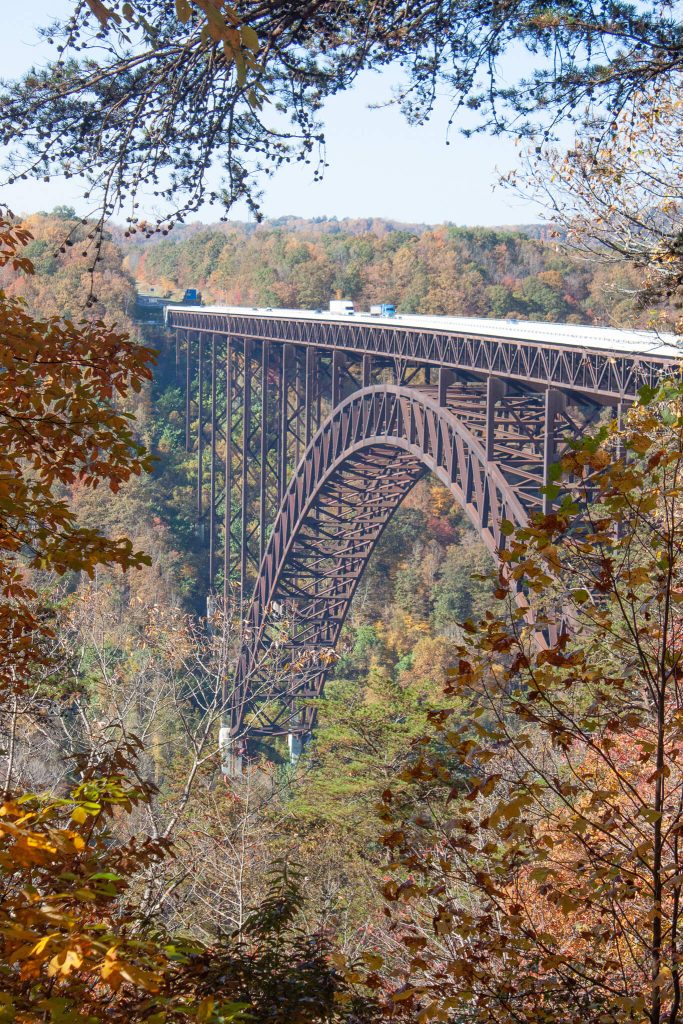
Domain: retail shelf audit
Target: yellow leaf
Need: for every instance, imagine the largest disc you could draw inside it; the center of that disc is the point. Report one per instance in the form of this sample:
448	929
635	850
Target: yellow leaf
40	946
662	978
205	1008
406	993
64	962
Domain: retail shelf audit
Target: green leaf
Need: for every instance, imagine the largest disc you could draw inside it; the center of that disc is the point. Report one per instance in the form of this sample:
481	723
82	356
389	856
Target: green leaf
646	394
249	38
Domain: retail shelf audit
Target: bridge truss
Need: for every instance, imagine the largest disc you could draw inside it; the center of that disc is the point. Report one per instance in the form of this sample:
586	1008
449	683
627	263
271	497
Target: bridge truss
308	435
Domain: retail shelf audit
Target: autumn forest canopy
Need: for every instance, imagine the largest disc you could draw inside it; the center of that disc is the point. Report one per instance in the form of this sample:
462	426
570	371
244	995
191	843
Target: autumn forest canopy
485	826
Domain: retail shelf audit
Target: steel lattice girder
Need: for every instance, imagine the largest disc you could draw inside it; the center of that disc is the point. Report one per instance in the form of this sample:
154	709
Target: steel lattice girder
601	374
355	473
490	438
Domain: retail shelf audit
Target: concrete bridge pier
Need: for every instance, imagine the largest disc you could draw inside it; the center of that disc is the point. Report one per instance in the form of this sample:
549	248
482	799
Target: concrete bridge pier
231	754
295	743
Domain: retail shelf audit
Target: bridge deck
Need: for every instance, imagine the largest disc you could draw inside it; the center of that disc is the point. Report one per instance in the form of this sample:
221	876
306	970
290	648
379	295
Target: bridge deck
602	363
605	339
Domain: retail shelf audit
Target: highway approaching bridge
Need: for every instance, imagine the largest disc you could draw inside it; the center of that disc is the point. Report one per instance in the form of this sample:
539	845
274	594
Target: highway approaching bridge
310	429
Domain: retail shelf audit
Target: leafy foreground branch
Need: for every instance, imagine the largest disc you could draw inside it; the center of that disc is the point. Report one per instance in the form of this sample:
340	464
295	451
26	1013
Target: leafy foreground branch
157	94
541	878
61	425
75	945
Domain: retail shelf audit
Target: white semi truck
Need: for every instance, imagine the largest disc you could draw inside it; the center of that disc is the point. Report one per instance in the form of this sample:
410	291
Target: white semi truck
341	306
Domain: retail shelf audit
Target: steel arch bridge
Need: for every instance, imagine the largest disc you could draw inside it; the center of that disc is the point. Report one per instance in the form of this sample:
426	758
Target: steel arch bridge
310	429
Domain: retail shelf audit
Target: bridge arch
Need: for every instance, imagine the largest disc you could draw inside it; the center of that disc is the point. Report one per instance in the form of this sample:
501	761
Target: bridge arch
355	473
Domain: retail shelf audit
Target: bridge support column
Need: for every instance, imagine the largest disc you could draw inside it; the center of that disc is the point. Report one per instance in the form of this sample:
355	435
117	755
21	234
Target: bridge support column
309	392
212	470
495	390
227	471
287	358
446	378
620	410
367	371
338	361
246	456
555	402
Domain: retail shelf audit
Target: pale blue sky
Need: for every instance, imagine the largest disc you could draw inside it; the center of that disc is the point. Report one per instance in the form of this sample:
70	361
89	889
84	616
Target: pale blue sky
379	165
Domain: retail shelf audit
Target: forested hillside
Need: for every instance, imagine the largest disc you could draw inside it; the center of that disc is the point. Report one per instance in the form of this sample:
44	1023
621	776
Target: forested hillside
439	270
63	283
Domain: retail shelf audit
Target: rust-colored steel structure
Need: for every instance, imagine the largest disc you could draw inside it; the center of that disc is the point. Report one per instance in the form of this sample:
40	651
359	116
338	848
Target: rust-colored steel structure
310	431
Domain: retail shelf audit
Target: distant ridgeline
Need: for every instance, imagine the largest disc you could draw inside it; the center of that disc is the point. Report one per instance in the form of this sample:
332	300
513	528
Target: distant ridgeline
294	263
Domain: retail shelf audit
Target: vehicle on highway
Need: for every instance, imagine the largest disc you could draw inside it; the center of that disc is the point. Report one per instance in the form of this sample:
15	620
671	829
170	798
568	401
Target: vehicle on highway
342	306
